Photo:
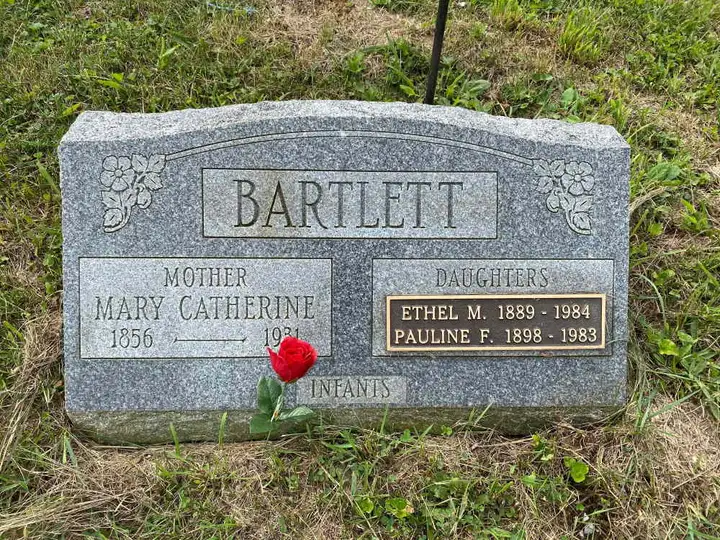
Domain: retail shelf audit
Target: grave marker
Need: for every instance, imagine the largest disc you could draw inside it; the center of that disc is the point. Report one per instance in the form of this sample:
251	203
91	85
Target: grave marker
439	260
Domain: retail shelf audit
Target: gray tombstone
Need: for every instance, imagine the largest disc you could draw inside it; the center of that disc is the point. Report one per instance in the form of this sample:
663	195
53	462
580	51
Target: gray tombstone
441	261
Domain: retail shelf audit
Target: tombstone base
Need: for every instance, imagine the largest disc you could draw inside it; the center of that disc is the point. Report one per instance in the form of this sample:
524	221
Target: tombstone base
153	427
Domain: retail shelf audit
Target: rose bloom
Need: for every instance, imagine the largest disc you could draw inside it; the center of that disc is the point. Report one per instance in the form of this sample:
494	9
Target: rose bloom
293	360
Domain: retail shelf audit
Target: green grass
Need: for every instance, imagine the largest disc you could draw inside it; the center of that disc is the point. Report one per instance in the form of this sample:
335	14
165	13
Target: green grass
581	38
651	68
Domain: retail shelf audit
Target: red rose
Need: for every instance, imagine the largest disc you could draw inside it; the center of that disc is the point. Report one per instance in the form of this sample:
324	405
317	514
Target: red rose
293	360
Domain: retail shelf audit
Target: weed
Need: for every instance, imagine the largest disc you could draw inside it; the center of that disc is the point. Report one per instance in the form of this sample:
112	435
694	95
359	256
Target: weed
581	38
507	13
464	92
406	66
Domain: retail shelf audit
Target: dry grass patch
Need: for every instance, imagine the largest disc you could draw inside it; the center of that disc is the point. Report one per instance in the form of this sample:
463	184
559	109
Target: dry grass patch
41	351
644	483
321	32
100	488
694	128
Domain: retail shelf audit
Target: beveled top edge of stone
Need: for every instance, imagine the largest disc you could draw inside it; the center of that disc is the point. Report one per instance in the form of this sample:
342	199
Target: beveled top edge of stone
96	126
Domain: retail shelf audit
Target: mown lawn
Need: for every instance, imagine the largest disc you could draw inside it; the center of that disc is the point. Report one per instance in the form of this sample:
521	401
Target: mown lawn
651	68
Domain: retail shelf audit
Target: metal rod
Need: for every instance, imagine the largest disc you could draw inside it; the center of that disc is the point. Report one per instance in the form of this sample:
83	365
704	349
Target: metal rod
437	51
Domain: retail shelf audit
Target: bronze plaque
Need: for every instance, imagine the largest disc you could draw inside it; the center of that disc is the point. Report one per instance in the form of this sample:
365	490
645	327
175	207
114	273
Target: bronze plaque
509	322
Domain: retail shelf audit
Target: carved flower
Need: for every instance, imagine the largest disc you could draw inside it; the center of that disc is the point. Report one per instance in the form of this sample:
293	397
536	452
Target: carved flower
128	182
568	187
578	178
117	173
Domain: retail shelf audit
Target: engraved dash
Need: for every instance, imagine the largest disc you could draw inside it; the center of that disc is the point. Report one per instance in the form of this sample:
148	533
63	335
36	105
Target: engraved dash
206	340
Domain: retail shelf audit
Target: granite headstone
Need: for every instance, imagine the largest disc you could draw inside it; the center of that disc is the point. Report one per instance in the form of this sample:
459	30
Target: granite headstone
441	261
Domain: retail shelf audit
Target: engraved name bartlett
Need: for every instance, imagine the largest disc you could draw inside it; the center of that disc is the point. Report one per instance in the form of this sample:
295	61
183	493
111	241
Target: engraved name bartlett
346	204
401	205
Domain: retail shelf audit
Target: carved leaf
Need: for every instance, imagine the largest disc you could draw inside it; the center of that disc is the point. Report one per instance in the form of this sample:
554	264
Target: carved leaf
583	204
152	181
128	198
112	217
156	163
553	202
544	184
555	169
541	167
139	163
144	198
581	222
111	199
566	201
